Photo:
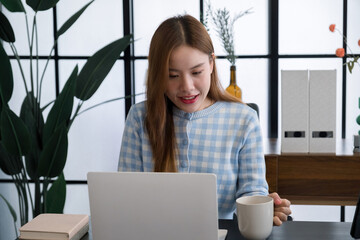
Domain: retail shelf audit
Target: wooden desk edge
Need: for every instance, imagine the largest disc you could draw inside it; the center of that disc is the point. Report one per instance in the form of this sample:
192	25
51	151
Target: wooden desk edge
344	147
314	200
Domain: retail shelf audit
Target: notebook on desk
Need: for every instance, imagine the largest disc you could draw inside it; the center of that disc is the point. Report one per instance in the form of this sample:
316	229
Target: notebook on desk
153	206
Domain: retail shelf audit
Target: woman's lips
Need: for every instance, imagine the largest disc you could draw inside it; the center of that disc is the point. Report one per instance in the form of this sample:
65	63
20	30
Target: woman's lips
189	99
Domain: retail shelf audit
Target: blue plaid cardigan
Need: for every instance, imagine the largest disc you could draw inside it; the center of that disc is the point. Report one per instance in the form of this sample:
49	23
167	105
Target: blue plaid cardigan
224	139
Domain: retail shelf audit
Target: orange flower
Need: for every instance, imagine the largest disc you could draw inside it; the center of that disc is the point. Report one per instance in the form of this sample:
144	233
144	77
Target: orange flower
332	27
340	52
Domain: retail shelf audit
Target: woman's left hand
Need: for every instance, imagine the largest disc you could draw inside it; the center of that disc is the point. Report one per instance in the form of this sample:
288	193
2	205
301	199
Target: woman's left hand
281	209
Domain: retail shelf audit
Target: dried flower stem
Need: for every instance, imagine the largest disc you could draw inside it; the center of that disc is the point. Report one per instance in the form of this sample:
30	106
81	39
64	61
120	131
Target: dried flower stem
224	27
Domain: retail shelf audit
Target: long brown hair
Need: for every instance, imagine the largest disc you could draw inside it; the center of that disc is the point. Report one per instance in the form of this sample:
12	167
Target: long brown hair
159	124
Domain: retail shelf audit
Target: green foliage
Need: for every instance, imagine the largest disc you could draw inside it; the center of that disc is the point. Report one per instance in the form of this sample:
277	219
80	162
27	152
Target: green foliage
351	63
41	5
6	31
56	195
14	134
224	27
97	67
30	147
6	83
71	20
13	5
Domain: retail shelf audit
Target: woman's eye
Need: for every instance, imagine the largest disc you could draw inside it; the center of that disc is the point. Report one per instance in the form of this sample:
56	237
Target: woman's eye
197	73
173	76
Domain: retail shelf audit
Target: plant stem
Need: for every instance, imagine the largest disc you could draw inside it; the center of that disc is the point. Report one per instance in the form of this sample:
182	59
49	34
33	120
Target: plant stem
75	114
13	48
16	233
44	193
347	46
27	28
43	73
29	43
24	201
28	189
20	198
111	100
37	198
345	40
37	71
31	53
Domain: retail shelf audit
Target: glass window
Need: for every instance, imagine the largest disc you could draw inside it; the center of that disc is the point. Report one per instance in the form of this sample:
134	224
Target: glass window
95	136
315	213
304	26
76	193
146	20
140	79
353	32
349	213
251	31
100	24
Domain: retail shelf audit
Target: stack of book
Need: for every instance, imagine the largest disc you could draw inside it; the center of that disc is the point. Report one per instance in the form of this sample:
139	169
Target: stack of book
56	226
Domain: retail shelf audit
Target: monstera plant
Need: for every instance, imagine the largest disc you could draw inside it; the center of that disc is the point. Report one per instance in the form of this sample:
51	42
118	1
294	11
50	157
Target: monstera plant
33	149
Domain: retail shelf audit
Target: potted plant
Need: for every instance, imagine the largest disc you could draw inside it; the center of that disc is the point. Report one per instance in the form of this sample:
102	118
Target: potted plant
340	52
33	148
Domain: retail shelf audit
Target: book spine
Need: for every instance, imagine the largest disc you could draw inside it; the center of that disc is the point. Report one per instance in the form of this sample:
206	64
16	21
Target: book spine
81	232
79	226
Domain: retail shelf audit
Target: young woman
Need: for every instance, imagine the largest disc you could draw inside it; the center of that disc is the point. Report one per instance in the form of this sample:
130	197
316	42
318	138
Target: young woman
190	124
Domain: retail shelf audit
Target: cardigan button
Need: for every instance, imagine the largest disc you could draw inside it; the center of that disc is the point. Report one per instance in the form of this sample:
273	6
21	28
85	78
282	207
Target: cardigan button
184	164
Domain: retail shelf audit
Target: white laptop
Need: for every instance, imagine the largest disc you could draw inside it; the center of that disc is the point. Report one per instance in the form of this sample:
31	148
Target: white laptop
153	206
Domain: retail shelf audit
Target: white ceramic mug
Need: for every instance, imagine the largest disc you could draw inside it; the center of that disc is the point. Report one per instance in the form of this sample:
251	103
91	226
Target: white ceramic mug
255	216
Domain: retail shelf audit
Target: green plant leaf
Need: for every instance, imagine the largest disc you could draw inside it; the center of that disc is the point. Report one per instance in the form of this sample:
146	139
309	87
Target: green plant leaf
98	66
350	66
61	110
11	209
14	133
41	5
35	125
13	5
53	157
10	164
6	31
56	195
71	20
6	79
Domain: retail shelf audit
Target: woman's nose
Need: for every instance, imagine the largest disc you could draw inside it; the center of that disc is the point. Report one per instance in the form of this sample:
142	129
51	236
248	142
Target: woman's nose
187	83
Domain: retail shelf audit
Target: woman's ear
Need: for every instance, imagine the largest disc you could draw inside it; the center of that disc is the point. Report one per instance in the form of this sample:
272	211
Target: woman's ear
212	59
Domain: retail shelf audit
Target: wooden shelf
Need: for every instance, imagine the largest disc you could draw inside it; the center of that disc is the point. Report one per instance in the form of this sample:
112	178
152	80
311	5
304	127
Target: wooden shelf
306	178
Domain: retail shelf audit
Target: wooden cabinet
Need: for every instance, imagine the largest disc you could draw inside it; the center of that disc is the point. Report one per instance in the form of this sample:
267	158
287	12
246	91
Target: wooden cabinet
329	179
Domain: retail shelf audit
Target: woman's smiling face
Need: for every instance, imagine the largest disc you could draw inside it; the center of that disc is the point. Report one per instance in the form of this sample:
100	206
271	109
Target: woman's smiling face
189	79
